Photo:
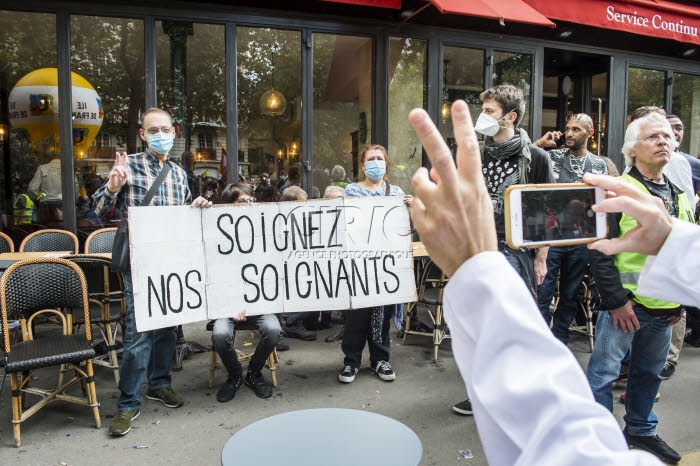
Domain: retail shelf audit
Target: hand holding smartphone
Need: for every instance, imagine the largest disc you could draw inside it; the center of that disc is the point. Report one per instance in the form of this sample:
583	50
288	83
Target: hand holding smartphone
544	215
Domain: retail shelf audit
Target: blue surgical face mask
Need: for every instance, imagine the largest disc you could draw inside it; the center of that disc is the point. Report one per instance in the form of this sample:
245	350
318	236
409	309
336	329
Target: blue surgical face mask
375	169
160	142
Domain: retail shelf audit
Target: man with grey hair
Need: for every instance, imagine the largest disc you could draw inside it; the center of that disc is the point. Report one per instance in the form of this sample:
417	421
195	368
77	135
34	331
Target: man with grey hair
332	192
636	321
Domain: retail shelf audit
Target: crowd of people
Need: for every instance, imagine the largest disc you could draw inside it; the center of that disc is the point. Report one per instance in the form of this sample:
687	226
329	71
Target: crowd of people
459	213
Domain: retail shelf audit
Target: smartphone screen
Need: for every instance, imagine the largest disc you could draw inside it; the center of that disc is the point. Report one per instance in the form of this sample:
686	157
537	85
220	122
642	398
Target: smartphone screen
553	215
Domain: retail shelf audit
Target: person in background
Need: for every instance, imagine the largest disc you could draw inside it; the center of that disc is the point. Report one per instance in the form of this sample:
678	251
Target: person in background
531	401
23	208
338	176
636	322
509	158
567	264
223	331
370	325
147	353
294	327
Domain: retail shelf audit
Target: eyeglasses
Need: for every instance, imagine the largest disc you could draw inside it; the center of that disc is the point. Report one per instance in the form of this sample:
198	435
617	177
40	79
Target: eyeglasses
655	137
162	129
245	200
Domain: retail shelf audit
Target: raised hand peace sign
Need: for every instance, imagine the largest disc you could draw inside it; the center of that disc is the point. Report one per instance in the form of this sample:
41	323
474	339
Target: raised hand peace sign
117	176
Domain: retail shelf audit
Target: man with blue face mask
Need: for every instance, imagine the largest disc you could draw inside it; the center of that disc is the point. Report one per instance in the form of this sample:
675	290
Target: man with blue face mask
145	353
508	158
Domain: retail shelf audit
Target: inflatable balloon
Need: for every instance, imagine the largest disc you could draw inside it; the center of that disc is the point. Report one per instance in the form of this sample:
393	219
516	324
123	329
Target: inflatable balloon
34	110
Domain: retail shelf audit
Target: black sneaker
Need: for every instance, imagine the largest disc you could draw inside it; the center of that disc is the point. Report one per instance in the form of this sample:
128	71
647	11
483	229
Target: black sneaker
298	331
228	390
667	371
257	382
384	371
463	407
282	345
347	375
654	445
693	339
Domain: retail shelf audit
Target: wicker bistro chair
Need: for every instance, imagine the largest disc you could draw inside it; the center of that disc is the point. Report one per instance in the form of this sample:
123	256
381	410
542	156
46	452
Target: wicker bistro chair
272	359
430	289
6	244
36	287
100	241
107	306
50	240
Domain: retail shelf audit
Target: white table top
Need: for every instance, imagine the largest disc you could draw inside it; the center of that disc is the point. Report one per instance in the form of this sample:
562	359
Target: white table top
324	436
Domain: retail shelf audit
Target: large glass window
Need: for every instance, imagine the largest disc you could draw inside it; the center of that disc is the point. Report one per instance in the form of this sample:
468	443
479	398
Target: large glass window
342	107
645	87
407	90
515	69
28	121
463	76
686	105
108	98
191	79
269	104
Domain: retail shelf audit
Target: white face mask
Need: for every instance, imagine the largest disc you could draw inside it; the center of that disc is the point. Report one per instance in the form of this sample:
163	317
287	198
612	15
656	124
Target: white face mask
488	125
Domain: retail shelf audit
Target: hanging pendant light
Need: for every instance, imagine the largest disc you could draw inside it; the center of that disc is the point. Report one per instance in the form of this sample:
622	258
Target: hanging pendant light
272	103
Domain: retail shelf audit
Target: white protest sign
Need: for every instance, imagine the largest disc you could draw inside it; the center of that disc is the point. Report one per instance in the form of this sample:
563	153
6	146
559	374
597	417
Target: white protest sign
168	270
324	254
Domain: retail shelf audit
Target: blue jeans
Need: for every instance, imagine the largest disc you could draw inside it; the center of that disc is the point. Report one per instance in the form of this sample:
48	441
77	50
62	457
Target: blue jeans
222	337
145	353
569	264
650	346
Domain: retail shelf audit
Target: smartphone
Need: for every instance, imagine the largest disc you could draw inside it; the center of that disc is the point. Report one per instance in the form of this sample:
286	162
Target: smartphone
540	215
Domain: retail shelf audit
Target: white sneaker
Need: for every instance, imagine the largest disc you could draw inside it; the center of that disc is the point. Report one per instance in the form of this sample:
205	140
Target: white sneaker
348	374
384	371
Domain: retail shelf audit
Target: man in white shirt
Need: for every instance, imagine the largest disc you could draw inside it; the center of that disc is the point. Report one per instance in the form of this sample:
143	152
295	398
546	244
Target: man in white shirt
530	398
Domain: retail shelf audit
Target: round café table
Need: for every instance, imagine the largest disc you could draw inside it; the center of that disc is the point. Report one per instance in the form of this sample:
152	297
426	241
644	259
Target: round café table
324	436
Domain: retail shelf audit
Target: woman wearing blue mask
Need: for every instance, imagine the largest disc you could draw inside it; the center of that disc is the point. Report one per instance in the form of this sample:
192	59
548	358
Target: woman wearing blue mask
371	324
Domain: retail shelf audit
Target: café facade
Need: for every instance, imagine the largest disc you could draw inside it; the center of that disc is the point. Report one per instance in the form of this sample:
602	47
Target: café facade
274	87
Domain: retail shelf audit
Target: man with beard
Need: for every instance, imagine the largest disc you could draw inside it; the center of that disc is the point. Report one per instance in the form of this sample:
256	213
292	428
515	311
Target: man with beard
568	262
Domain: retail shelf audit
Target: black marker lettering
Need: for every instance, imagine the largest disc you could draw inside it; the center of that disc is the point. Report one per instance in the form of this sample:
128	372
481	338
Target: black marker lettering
356	273
161	302
223	232
393	262
276	282
252	235
308	283
187	284
328	286
274	232
180	293
257	290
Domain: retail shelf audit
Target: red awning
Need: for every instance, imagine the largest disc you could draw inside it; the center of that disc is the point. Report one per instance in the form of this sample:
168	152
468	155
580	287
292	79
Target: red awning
503	10
395	4
655	18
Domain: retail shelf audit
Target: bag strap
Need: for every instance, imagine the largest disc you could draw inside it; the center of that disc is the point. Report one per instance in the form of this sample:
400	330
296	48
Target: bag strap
387	189
156	184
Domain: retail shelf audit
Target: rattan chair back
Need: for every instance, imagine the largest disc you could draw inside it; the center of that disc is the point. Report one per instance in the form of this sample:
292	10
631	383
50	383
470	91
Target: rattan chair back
6	243
50	240
35	287
100	241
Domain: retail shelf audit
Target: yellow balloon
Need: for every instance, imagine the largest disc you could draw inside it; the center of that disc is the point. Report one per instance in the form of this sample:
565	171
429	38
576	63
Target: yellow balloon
34	110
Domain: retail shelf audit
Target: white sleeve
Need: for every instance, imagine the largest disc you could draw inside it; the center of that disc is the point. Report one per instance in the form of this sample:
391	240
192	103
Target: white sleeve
673	273
531	400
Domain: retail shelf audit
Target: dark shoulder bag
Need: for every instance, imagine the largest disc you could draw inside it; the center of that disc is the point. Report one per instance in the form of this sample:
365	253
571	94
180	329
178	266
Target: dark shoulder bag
121	261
